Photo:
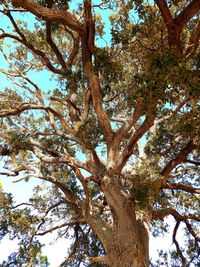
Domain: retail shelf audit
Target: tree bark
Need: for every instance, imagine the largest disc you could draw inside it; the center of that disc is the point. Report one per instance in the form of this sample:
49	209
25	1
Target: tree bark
129	246
130	238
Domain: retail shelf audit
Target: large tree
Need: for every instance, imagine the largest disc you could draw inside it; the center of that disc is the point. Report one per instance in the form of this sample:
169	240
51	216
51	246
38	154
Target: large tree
116	136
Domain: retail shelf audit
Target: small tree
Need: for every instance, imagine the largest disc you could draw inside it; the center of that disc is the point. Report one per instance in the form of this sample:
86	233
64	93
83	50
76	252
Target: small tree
126	113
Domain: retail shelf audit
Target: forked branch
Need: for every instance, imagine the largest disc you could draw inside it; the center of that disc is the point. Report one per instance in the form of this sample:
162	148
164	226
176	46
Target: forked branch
175	25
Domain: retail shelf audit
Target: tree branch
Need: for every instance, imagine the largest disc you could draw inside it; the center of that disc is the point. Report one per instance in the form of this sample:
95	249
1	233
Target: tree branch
175	25
197	163
57	227
25	107
177	244
165	12
84	183
47	211
53	46
65	17
87	42
183	187
191	10
128	150
19	73
75	48
94	85
177	160
126	127
23	204
161	214
192	232
71	198
35	51
194	41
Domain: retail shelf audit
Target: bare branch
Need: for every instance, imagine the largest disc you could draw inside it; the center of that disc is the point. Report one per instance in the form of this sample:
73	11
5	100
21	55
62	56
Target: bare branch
75	49
47	211
23	204
85	112
191	10
90	25
24	177
121	120
197	163
71	198
84	183
175	25
87	42
192	232
57	227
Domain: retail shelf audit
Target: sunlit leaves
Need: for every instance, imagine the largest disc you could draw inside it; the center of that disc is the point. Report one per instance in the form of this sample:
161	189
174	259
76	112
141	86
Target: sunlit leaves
9	99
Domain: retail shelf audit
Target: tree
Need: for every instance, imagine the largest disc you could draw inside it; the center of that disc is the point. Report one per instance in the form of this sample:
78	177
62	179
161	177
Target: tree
117	141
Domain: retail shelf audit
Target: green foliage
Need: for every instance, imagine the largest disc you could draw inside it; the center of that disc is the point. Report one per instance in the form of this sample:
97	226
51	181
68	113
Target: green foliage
107	66
93	131
32	258
143	184
18	224
57	143
9	99
16	139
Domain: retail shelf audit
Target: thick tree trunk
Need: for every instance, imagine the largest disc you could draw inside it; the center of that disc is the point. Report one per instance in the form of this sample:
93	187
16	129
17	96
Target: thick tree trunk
130	246
130	237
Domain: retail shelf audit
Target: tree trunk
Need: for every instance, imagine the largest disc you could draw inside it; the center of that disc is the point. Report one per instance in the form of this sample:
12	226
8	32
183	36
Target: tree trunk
130	238
129	245
174	38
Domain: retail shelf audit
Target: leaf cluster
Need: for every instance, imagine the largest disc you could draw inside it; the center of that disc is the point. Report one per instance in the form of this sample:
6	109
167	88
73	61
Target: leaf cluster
10	99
